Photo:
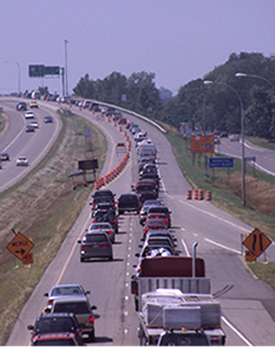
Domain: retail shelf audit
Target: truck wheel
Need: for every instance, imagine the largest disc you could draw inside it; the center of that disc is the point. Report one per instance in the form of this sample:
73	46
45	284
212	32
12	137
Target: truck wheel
136	304
110	258
82	260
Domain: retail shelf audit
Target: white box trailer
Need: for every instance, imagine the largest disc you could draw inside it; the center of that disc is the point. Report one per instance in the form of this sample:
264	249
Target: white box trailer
167	311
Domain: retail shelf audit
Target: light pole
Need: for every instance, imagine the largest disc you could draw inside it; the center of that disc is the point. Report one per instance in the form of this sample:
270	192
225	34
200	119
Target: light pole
19	74
241	75
242	133
66	69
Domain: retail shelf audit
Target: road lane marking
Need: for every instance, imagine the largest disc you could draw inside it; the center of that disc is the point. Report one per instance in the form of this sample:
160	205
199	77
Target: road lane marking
213	215
222	246
185	247
237	332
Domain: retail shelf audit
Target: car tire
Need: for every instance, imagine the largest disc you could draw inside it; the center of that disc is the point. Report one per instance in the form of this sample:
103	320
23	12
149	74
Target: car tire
82	260
92	336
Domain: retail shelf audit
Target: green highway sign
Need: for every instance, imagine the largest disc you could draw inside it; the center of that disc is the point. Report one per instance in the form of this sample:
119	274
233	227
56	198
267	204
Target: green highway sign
51	70
42	70
36	70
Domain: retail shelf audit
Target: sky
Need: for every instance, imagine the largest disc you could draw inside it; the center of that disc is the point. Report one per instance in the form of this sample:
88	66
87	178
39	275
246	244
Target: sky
177	40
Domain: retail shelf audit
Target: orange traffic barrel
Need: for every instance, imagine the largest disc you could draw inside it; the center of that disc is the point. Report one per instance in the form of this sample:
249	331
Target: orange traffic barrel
208	195
195	194
200	194
114	124
120	128
108	119
188	194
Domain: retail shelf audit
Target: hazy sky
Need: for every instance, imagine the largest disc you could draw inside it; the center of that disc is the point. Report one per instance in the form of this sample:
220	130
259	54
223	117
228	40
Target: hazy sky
178	40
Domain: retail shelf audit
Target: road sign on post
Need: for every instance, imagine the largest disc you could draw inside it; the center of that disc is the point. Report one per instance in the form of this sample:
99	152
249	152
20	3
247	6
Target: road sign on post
20	246
257	242
221	162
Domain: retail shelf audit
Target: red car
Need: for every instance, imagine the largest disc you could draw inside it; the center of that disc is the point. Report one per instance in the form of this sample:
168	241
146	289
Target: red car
156	215
154	224
122	121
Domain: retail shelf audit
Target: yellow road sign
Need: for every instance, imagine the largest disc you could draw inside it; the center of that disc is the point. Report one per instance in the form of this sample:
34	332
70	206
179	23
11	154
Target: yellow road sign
20	246
257	242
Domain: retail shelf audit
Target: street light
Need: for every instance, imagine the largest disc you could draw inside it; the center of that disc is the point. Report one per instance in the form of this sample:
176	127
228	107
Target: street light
241	74
242	133
19	74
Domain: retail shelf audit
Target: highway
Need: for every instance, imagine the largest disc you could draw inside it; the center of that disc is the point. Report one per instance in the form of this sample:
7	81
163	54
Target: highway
16	141
263	159
248	308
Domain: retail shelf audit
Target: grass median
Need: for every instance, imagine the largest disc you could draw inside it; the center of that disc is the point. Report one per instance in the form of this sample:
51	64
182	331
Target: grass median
43	206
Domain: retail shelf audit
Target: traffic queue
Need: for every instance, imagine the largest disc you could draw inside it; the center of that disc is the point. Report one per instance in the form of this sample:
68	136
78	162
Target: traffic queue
171	293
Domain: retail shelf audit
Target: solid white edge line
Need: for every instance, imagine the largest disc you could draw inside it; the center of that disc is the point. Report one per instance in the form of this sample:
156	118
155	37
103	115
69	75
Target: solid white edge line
222	246
185	247
237	332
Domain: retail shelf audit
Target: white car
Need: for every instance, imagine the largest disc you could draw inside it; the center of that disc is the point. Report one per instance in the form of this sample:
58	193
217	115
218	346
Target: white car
29	115
34	124
22	161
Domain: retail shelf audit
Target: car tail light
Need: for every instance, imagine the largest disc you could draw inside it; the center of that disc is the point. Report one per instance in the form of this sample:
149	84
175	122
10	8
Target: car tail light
86	246
110	232
105	245
91	319
50	301
115	220
215	340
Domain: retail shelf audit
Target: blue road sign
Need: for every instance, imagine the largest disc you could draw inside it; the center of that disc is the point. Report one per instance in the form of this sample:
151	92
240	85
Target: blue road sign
221	162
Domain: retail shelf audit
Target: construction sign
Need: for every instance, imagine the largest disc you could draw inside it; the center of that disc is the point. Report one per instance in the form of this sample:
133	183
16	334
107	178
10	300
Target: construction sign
202	144
20	246
257	242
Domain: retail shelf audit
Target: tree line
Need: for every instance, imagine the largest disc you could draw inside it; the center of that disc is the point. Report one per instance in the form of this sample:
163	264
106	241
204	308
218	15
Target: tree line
202	106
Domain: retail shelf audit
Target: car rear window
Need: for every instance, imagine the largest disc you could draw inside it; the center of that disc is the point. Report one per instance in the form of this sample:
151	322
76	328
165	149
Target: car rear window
131	198
96	238
73	307
57	324
66	291
55	343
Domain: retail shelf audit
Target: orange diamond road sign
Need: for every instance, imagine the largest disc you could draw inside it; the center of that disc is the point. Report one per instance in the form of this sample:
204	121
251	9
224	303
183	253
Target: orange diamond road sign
257	242
20	246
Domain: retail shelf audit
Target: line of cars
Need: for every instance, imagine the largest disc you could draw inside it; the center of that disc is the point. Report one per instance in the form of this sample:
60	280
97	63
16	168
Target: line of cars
22	160
67	318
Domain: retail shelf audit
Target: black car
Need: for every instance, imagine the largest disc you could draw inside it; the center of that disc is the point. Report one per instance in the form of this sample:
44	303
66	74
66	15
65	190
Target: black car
56	323
29	128
106	215
21	106
4	156
48	119
128	203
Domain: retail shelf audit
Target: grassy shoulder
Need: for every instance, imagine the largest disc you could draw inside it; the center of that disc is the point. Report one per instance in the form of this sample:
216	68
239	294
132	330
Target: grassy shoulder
43	206
226	194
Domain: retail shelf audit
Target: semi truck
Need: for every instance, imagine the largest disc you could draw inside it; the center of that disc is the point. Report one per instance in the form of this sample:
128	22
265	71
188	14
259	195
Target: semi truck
169	317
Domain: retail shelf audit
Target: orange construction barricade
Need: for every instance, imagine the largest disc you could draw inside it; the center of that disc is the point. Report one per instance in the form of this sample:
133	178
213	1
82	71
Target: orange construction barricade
189	194
208	195
195	194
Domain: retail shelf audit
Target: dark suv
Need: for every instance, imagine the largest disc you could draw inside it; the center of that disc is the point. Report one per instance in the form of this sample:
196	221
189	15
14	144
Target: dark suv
56	323
22	106
128	203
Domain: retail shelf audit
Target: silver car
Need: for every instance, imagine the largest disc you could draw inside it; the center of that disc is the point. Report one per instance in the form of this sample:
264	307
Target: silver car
100	226
22	161
95	244
65	289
